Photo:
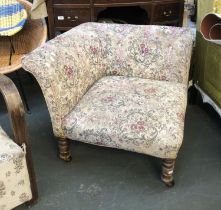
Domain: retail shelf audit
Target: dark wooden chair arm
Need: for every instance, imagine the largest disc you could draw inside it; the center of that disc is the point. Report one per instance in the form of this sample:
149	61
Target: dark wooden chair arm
18	123
15	109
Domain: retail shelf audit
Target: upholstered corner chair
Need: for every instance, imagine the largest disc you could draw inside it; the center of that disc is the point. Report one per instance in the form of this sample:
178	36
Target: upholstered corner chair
17	179
120	86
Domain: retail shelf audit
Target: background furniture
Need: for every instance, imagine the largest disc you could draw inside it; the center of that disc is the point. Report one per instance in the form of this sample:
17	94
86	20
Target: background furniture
207	74
66	14
120	86
33	34
17	178
211	28
12	19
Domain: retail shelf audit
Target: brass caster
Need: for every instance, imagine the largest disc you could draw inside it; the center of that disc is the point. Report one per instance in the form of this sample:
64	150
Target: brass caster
66	158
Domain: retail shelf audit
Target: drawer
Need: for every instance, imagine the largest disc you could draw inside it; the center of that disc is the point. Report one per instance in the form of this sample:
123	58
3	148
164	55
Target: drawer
71	17
71	1
119	1
167	12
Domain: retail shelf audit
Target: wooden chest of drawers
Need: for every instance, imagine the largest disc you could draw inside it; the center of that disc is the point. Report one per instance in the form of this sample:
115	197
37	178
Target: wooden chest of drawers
65	14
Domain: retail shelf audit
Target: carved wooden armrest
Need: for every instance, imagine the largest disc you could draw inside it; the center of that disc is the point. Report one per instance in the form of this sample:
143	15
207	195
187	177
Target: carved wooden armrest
17	119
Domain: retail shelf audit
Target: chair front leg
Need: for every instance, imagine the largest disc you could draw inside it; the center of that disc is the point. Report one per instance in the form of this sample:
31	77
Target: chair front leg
64	149
167	172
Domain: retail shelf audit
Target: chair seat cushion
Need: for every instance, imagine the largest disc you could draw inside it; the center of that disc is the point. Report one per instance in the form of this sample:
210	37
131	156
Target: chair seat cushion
139	115
14	178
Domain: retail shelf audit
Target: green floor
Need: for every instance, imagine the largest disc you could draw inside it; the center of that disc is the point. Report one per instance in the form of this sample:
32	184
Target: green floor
109	179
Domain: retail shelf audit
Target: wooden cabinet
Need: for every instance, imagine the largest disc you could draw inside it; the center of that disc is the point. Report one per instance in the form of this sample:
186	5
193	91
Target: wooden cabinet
71	17
71	2
108	2
164	12
65	14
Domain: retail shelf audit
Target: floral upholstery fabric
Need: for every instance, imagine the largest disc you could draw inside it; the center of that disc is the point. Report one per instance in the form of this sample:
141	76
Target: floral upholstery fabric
14	179
134	114
150	52
67	66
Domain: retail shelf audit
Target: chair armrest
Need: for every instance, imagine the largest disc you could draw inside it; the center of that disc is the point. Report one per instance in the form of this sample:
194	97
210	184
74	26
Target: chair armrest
15	109
65	68
17	119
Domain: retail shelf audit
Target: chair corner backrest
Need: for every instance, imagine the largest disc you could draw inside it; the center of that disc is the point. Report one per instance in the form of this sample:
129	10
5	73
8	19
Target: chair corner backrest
151	52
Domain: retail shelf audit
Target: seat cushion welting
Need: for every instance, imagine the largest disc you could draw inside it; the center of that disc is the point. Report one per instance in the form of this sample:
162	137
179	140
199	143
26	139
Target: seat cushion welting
139	115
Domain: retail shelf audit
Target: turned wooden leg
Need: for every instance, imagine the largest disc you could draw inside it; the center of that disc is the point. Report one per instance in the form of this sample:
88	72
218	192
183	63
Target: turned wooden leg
167	172
64	149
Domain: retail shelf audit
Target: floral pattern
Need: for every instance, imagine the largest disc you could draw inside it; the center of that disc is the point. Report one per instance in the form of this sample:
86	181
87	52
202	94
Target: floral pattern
134	114
14	178
2	189
69	65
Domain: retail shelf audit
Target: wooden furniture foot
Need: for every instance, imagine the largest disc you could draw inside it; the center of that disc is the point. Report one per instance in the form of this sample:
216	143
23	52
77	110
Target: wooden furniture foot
167	172
64	149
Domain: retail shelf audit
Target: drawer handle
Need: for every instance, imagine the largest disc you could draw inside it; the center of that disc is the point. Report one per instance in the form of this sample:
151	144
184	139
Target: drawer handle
167	14
60	17
75	18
